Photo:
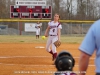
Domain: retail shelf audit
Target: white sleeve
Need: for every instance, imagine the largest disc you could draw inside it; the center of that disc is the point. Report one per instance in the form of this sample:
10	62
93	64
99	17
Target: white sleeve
60	26
48	23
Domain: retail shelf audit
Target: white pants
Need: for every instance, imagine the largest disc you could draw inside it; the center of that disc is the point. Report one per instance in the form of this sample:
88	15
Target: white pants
50	41
38	31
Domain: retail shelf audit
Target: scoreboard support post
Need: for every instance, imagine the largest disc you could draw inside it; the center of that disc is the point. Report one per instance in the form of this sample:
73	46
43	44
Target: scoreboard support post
20	28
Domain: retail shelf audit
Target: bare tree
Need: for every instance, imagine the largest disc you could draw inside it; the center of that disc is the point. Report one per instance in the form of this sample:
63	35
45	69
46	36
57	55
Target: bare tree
56	7
2	8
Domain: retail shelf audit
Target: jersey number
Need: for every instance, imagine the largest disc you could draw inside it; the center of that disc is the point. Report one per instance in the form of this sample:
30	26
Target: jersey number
53	30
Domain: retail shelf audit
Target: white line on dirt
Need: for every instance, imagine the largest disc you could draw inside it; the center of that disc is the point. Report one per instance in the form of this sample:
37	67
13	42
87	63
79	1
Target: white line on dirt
31	57
36	65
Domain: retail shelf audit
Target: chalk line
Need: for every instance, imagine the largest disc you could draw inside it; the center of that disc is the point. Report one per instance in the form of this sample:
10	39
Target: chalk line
31	57
37	65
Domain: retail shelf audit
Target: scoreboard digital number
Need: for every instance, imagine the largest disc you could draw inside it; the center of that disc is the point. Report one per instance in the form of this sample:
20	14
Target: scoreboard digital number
34	12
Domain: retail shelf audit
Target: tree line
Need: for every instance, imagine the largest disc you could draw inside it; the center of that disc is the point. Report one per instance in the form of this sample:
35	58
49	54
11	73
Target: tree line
77	9
68	9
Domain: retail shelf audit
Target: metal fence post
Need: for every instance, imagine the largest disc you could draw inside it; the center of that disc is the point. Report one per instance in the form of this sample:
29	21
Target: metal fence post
82	28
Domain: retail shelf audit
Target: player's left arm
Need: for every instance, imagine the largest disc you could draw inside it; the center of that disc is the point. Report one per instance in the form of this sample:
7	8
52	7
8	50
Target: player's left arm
59	34
40	25
59	31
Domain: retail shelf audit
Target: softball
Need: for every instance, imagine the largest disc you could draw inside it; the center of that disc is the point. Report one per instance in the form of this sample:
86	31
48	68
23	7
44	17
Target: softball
43	37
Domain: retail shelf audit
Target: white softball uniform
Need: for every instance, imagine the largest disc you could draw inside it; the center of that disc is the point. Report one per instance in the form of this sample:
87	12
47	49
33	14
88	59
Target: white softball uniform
38	28
53	35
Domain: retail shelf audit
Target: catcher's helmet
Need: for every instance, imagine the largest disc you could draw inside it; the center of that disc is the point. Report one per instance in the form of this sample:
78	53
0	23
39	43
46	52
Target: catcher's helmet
64	61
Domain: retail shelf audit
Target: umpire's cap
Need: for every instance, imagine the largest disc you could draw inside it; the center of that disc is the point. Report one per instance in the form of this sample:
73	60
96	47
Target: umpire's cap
64	61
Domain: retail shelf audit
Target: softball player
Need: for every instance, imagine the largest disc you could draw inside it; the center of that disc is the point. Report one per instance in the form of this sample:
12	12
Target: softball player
38	26
90	44
54	29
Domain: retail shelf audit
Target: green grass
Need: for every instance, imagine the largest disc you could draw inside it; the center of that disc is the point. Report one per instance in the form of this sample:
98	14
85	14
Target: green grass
74	40
32	39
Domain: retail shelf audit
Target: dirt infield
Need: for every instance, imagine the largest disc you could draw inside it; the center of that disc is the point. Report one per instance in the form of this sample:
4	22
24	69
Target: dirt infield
27	59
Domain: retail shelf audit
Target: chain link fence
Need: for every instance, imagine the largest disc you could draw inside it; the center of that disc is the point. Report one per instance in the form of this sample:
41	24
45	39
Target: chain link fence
18	28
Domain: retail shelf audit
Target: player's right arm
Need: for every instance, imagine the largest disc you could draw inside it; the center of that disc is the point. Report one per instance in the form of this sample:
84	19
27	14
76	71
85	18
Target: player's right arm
47	30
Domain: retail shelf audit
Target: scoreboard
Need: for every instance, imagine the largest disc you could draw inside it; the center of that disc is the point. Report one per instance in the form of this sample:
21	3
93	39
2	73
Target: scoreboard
34	12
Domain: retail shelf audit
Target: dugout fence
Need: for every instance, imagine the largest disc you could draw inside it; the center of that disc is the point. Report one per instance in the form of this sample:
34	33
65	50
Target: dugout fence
69	27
